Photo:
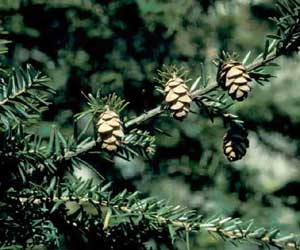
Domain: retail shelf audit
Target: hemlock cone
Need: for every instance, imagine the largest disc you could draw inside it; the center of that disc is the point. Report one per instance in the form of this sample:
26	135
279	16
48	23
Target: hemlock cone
235	144
110	129
233	77
177	97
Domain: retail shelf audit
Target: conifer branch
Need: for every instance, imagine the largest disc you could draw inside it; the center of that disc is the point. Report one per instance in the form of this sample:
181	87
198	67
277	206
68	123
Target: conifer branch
255	65
23	95
31	79
197	93
80	150
160	109
232	229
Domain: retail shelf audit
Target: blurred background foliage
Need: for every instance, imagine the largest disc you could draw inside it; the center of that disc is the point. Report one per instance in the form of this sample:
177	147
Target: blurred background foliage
117	46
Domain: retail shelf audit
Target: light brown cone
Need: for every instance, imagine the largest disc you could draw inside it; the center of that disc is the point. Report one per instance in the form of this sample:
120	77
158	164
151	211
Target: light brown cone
233	77
177	97
110	130
235	144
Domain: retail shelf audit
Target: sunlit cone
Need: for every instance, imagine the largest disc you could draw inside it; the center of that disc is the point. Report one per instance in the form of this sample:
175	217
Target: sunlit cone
235	144
177	97
233	77
110	129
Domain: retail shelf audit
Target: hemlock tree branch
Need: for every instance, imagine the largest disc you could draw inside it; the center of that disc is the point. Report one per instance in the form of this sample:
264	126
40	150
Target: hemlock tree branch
80	150
237	234
227	228
159	109
272	56
144	117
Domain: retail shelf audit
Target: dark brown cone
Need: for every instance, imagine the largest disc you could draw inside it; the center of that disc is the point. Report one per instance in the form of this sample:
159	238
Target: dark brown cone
233	77
177	97
110	129
235	144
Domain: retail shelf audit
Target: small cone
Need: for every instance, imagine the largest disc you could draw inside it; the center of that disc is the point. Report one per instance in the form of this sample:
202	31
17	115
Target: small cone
233	77
177	97
235	144
110	130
